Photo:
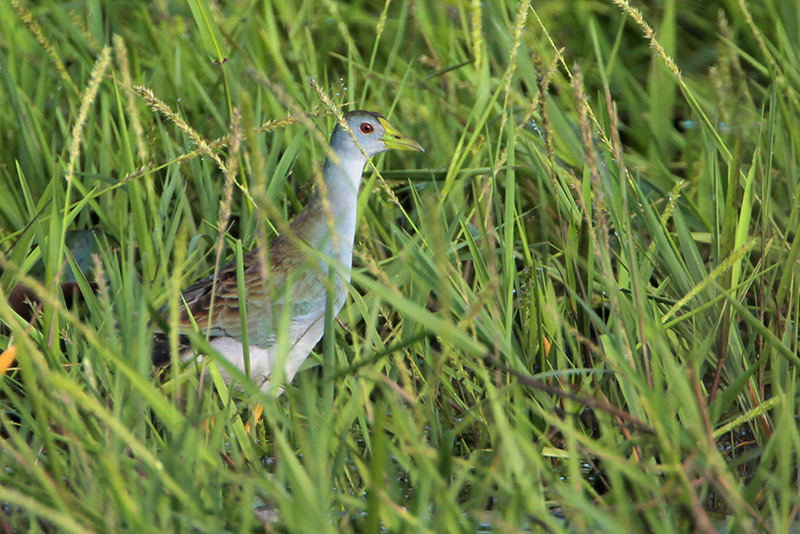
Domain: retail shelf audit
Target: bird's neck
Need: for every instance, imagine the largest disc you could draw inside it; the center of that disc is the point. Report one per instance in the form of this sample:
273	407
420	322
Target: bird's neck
342	178
328	222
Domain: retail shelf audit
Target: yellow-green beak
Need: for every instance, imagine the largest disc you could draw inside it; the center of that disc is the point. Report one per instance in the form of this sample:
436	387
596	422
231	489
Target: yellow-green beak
395	140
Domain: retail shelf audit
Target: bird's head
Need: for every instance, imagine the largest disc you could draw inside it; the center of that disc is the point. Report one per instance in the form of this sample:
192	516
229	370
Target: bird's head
372	132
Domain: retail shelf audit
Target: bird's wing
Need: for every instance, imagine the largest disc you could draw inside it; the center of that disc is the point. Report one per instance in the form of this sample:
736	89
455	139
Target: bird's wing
196	302
265	292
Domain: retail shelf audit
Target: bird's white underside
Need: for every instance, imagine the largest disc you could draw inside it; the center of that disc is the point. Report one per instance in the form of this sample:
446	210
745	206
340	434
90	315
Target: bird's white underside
264	360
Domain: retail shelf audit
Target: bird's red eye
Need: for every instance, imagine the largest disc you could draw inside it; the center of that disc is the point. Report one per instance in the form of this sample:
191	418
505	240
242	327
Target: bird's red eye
366	127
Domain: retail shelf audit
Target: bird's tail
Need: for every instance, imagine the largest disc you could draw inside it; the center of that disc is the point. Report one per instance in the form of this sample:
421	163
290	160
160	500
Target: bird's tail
161	350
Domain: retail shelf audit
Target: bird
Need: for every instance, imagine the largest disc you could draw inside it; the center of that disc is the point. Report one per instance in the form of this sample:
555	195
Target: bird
296	282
